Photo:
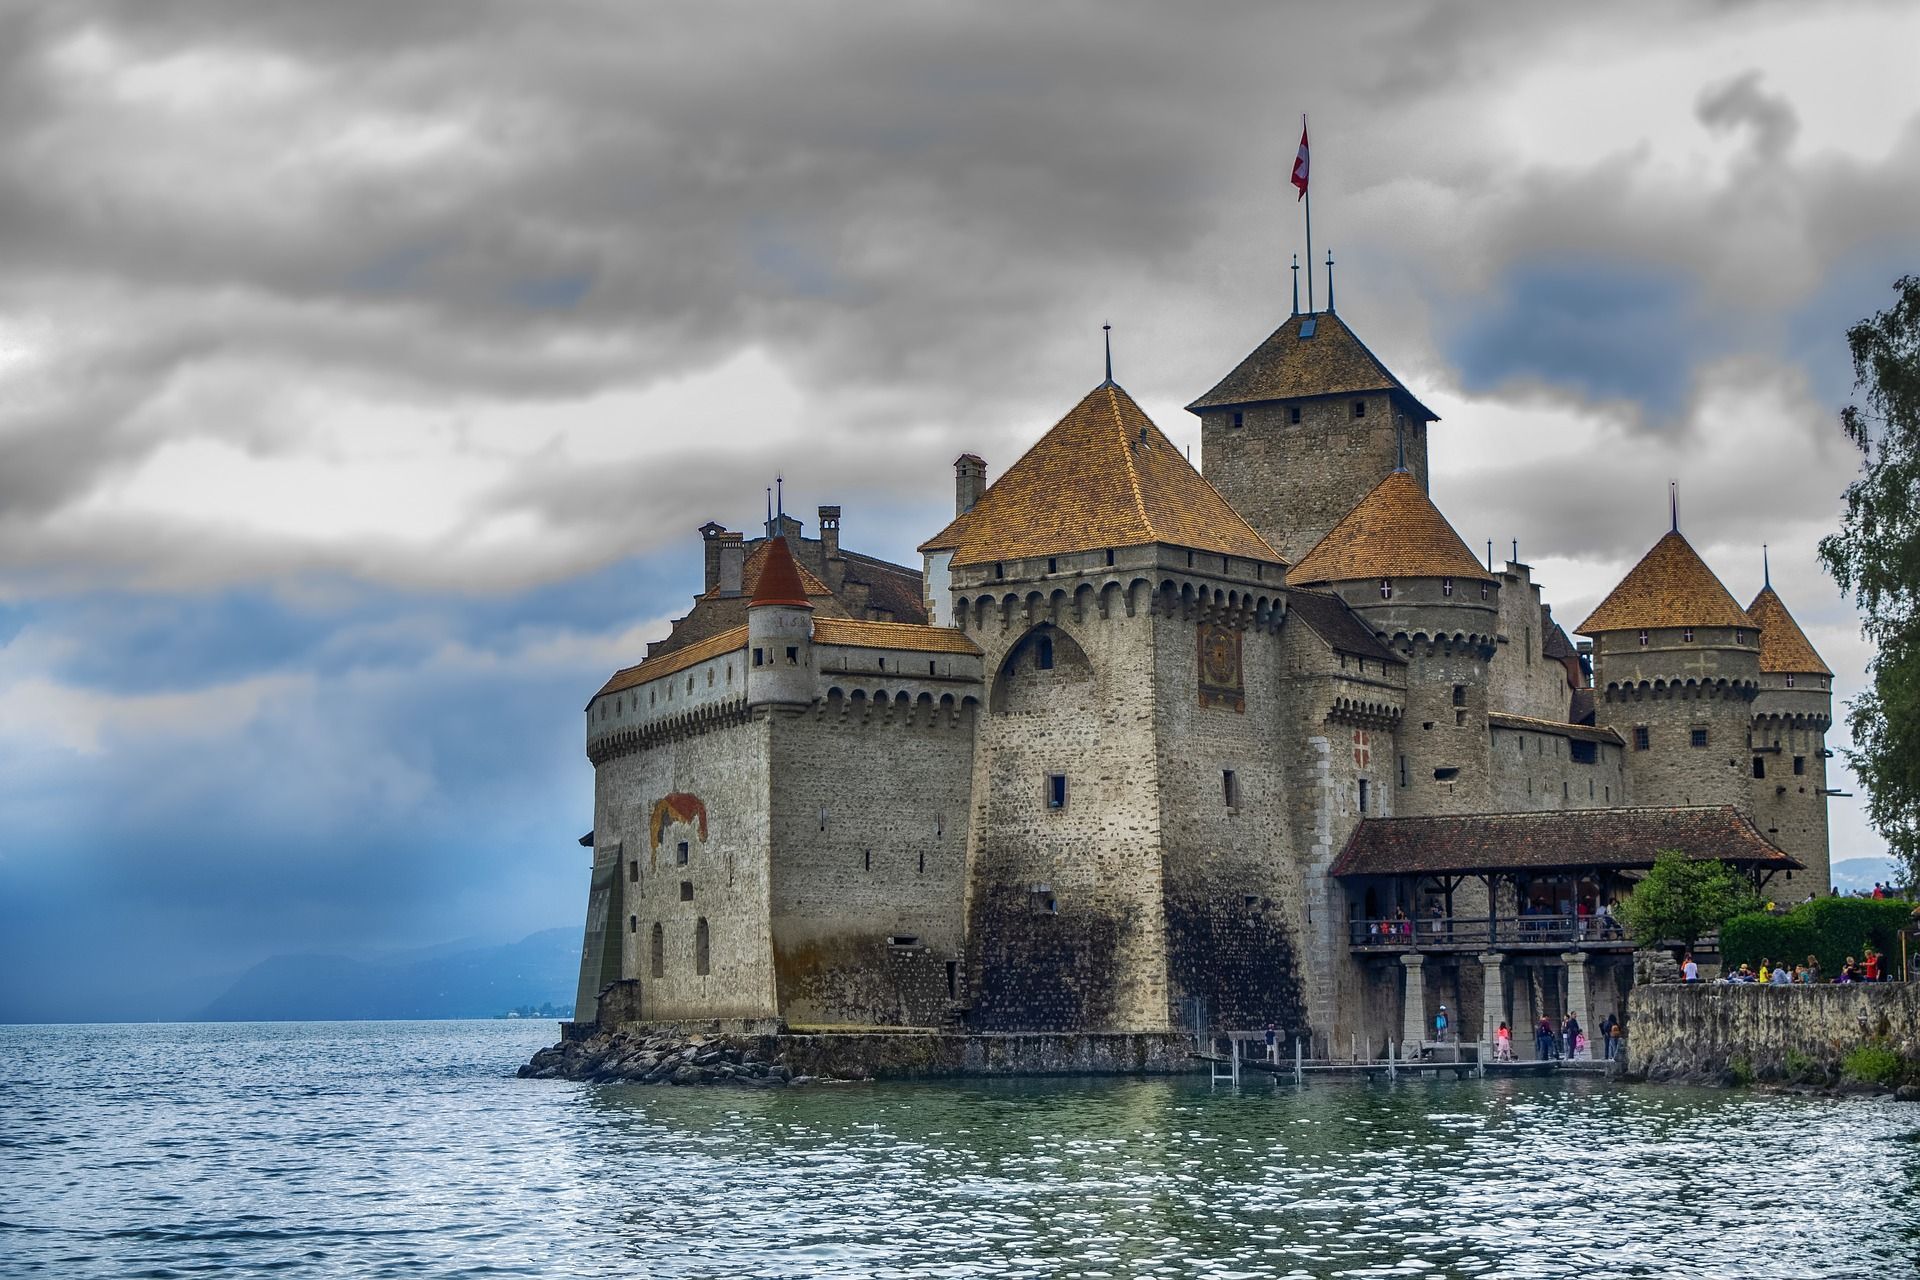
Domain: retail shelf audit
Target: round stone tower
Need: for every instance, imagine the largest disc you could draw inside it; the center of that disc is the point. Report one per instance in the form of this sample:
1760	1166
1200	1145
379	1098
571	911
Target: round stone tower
1676	665
780	634
1791	717
1399	565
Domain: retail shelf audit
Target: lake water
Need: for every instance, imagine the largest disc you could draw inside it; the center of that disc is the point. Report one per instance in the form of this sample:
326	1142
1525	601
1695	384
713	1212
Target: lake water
408	1149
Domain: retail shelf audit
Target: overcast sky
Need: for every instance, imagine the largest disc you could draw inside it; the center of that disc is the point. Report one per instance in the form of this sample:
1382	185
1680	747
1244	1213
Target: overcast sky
366	368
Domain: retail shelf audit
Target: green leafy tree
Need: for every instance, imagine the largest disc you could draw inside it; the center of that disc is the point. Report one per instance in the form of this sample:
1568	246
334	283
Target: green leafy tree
1684	900
1876	556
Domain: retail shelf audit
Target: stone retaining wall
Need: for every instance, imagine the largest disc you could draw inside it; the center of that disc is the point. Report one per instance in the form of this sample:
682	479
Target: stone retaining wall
1703	1031
896	1056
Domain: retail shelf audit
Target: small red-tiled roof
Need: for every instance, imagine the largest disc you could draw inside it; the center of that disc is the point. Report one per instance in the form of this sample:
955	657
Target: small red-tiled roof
1784	647
1104	476
1393	532
1617	839
1670	587
780	578
679	660
861	634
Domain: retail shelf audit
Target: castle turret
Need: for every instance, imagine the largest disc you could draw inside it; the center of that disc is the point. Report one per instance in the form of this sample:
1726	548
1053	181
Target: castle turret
779	633
1676	668
1791	716
1302	428
1401	567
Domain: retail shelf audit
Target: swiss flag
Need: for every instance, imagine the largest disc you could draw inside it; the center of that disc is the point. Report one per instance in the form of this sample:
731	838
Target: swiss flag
1300	163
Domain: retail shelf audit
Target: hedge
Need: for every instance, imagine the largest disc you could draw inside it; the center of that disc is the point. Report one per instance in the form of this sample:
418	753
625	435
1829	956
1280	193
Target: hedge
1830	928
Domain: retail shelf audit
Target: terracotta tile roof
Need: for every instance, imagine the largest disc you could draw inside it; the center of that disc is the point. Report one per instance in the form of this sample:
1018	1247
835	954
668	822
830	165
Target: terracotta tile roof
860	634
1618	839
679	660
779	578
891	588
1670	587
756	564
1333	361
1531	724
1582	710
1328	617
1104	476
1393	532
1783	645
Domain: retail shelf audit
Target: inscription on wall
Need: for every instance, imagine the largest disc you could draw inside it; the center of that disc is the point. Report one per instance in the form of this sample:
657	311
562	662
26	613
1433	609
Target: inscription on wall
1222	683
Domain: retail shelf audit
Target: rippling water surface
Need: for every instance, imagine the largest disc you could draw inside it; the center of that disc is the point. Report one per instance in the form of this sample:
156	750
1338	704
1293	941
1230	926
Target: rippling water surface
407	1149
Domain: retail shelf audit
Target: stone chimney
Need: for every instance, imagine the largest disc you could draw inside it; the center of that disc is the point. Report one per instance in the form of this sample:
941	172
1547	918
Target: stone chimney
710	533
969	482
730	554
830	532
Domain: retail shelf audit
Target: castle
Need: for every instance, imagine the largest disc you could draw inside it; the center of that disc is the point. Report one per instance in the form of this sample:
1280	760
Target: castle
1140	747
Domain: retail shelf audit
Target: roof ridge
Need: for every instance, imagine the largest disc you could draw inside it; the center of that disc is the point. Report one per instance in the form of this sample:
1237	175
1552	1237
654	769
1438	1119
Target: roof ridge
1126	454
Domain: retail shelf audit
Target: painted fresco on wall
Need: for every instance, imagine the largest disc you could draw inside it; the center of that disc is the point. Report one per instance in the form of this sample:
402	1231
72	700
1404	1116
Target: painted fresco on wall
1222	683
680	806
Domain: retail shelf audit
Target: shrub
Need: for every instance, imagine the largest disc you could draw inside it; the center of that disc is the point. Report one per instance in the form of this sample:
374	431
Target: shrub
1830	928
1873	1062
1799	1066
1684	899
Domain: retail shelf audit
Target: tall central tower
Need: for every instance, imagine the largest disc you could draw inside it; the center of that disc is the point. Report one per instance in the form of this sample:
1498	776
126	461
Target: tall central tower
1304	428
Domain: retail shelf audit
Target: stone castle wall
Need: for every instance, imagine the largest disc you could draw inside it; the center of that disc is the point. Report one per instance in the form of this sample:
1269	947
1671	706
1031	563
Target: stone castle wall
1536	769
1521	680
1673	687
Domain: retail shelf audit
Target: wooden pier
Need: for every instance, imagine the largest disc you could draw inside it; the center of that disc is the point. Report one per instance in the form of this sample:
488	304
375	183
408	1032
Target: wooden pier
1431	1060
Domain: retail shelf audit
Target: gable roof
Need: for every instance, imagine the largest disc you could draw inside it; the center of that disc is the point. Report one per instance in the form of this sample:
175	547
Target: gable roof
1393	532
1103	476
1328	617
858	633
1622	839
666	664
1670	587
1331	361
1783	645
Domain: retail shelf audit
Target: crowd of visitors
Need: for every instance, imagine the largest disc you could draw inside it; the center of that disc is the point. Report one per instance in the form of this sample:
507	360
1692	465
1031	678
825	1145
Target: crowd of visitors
1790	974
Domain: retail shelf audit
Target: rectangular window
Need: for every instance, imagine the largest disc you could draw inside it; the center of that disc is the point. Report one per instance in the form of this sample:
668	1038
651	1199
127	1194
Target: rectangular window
681	854
1056	791
1230	788
1799	764
1697	738
759	658
1564	791
1403	771
1109	557
1239	419
1759	766
1293	414
1359	408
1043	652
1363	795
793	657
633	873
1583	752
953	979
1642	737
1459	695
686	891
1053	564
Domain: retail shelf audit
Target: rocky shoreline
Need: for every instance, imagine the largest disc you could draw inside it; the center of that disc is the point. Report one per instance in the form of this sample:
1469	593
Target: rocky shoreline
666	1057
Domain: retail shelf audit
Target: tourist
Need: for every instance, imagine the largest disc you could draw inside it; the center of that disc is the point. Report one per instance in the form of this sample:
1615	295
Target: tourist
1273	1044
1607	1025
1689	969
1813	968
1782	976
1503	1044
1870	970
1766	971
1542	1039
1440	1026
1617	1038
1847	972
1570	1030
1402	925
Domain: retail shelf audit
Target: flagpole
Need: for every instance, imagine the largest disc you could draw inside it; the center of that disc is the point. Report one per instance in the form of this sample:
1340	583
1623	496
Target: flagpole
1307	197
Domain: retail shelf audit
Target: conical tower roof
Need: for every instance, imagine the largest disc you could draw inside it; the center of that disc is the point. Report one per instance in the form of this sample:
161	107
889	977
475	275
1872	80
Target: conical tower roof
780	579
1784	647
1315	355
1104	476
1393	532
1670	587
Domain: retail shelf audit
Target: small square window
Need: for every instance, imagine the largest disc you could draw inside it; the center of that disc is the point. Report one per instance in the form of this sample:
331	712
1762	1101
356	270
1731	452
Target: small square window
681	854
686	891
1293	414
1056	791
1642	737
1697	738
1359	408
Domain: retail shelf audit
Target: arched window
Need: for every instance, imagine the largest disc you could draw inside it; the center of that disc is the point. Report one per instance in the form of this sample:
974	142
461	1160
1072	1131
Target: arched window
700	942
657	960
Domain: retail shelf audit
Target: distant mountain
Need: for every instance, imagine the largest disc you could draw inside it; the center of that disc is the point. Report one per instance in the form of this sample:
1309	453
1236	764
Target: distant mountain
475	982
1862	873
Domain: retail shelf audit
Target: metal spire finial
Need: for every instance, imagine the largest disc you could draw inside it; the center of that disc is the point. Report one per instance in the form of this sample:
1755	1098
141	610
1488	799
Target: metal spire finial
1107	332
1329	281
1673	503
780	495
1766	570
1296	284
1489	555
769	510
